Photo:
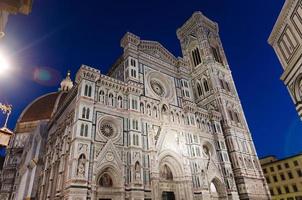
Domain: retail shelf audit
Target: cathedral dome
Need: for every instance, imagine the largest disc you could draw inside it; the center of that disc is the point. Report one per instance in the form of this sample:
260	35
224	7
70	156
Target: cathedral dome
43	107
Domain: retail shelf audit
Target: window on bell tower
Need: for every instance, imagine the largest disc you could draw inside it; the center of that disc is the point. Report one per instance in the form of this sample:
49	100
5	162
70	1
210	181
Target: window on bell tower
196	57
216	54
199	89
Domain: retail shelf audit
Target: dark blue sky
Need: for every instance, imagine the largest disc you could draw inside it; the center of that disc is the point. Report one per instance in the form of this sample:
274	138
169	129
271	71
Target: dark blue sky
65	34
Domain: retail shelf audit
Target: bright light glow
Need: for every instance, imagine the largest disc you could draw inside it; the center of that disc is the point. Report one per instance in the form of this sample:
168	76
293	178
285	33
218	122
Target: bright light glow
4	65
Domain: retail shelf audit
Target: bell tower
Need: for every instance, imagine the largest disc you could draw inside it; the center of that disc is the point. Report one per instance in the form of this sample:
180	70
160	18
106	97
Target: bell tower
214	88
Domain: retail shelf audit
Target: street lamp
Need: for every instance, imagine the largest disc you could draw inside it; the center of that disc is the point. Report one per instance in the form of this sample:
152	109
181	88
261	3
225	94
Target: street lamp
5	133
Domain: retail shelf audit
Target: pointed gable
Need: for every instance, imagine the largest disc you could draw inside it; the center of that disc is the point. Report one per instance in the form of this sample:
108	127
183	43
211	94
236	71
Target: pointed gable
157	50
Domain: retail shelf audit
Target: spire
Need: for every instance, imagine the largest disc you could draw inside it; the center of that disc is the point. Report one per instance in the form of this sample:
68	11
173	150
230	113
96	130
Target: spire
66	83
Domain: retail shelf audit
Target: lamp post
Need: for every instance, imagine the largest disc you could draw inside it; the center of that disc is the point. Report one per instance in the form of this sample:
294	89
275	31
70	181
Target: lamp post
12	7
5	133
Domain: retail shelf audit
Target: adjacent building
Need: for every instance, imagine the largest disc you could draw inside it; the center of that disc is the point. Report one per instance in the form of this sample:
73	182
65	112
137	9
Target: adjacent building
155	127
286	39
284	177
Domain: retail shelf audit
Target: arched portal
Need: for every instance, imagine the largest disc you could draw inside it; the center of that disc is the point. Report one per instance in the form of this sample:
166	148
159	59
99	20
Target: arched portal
172	183
109	184
217	190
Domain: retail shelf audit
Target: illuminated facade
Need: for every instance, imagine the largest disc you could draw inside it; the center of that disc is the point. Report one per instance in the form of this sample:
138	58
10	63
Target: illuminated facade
156	127
283	177
286	39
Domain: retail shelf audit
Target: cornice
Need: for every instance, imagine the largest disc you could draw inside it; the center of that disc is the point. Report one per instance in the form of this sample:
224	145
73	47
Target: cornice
281	20
197	19
120	85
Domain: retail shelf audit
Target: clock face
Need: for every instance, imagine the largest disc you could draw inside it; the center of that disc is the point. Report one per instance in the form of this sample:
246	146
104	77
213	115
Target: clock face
157	88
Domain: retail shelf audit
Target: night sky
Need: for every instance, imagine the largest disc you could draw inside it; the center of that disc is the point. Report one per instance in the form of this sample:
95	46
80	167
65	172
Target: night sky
60	35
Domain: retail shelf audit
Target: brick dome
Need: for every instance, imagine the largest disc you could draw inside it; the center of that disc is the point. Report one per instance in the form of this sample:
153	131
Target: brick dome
43	107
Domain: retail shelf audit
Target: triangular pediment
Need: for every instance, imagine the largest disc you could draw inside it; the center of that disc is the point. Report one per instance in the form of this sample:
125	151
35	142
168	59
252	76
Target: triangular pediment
155	49
108	155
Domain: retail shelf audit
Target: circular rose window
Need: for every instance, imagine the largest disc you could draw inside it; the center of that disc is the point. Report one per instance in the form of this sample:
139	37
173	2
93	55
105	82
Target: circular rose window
157	88
107	130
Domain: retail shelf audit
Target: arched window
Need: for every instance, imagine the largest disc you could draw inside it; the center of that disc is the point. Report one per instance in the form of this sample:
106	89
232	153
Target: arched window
133	73
86	130
89	91
87	113
149	110
133	139
164	109
120	101
106	180
134	104
199	90
196	57
82	130
110	99
205	85
172	117
216	54
142	108
86	90
155	111
84	113
137	140
166	173
102	97
178	119
198	123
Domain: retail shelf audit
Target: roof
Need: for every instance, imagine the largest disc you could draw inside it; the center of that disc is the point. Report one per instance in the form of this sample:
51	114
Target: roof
279	160
42	108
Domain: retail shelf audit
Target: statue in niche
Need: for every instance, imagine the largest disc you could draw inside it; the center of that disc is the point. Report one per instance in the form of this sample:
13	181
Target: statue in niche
106	181
206	152
81	166
137	171
166	173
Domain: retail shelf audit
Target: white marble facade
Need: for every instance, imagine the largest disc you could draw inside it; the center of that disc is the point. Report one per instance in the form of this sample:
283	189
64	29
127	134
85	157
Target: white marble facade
286	39
156	127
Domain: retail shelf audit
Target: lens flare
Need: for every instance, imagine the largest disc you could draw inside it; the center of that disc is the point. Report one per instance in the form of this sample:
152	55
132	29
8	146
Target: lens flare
46	76
4	65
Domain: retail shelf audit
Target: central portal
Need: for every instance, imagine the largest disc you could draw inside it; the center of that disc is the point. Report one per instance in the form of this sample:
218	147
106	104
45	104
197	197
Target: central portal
168	196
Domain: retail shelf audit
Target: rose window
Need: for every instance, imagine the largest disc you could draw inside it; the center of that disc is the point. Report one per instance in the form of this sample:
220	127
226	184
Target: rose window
157	88
107	130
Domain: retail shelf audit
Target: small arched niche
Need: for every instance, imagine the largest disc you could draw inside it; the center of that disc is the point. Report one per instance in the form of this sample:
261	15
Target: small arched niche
166	173
106	180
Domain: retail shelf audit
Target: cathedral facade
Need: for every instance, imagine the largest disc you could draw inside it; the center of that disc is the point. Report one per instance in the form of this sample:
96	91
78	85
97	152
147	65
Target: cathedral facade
156	127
